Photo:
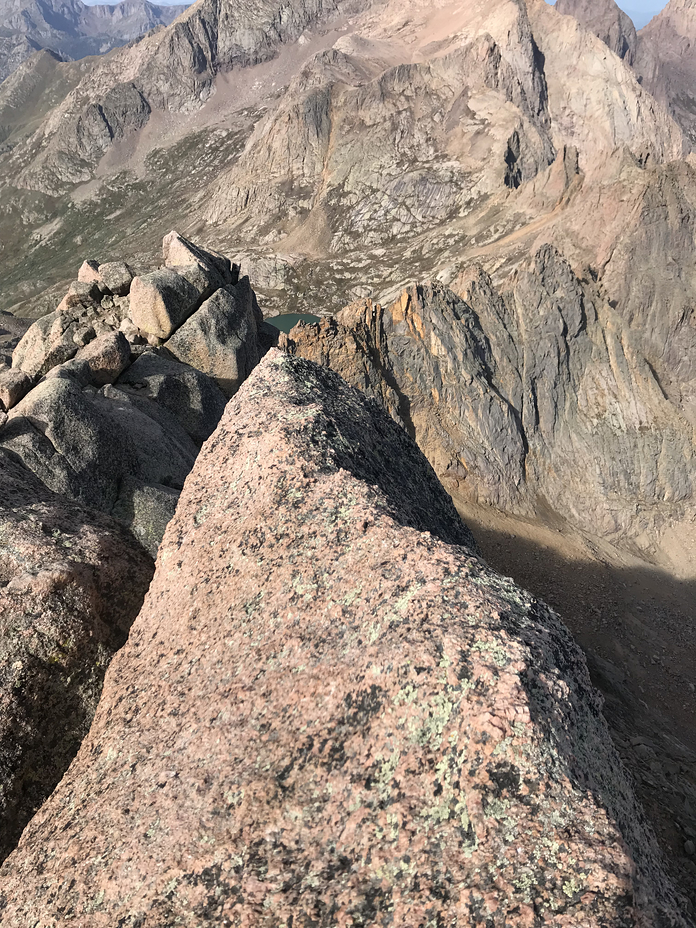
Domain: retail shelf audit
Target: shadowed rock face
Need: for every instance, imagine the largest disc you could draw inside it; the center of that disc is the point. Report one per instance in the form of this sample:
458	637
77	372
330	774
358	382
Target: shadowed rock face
516	394
71	583
607	21
665	61
331	712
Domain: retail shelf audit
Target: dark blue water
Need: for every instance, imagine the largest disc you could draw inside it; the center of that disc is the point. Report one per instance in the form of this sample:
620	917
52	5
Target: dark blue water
287	321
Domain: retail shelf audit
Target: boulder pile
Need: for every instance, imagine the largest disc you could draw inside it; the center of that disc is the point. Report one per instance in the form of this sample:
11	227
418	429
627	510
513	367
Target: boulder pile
330	711
109	398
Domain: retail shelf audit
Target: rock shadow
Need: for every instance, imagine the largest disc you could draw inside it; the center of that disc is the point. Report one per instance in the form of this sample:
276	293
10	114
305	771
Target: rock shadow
636	627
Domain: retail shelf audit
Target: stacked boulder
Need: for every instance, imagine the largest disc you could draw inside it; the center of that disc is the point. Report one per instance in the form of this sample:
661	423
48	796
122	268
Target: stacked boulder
110	397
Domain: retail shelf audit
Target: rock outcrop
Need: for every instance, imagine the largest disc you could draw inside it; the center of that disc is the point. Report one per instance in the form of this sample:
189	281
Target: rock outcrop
330	711
71	583
608	22
103	417
220	339
665	61
516	394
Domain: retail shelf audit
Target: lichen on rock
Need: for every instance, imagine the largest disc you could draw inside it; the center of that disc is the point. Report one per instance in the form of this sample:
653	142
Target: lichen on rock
331	712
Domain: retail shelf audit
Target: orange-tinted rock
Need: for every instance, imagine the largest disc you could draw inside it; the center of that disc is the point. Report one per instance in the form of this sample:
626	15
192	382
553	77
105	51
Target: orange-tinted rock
330	712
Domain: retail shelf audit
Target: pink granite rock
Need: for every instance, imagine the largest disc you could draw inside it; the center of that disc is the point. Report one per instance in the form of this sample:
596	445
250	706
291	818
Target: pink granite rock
89	271
71	583
330	712
14	386
107	357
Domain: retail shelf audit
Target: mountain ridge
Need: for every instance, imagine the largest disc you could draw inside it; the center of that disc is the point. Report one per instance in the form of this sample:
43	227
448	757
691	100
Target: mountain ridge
74	29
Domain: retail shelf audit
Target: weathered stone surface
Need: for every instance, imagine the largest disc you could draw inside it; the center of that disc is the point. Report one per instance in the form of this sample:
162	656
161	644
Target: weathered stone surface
71	583
516	394
206	280
165	451
179	251
89	270
85	291
107	357
116	276
11	331
77	371
49	342
131	332
221	338
607	21
147	509
161	301
14	385
123	454
83	315
124	450
82	296
329	705
69	444
189	395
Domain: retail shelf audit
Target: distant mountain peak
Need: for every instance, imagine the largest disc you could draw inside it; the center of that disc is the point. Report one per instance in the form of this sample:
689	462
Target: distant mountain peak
72	28
607	21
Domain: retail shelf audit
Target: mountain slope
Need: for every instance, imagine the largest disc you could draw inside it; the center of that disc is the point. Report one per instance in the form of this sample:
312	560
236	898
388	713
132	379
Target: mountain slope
607	21
73	29
665	61
661	53
342	150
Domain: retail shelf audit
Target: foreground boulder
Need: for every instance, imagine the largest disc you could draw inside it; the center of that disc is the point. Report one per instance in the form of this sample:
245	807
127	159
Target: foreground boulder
221	338
331	712
71	583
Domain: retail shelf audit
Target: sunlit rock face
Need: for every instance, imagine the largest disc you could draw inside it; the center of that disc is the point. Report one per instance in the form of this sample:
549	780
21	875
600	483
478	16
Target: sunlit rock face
331	711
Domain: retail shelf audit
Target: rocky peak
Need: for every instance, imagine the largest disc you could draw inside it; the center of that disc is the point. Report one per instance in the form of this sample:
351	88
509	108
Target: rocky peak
665	61
330	709
608	22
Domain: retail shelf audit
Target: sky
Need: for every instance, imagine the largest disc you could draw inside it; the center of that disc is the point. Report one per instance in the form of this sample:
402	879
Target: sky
641	11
